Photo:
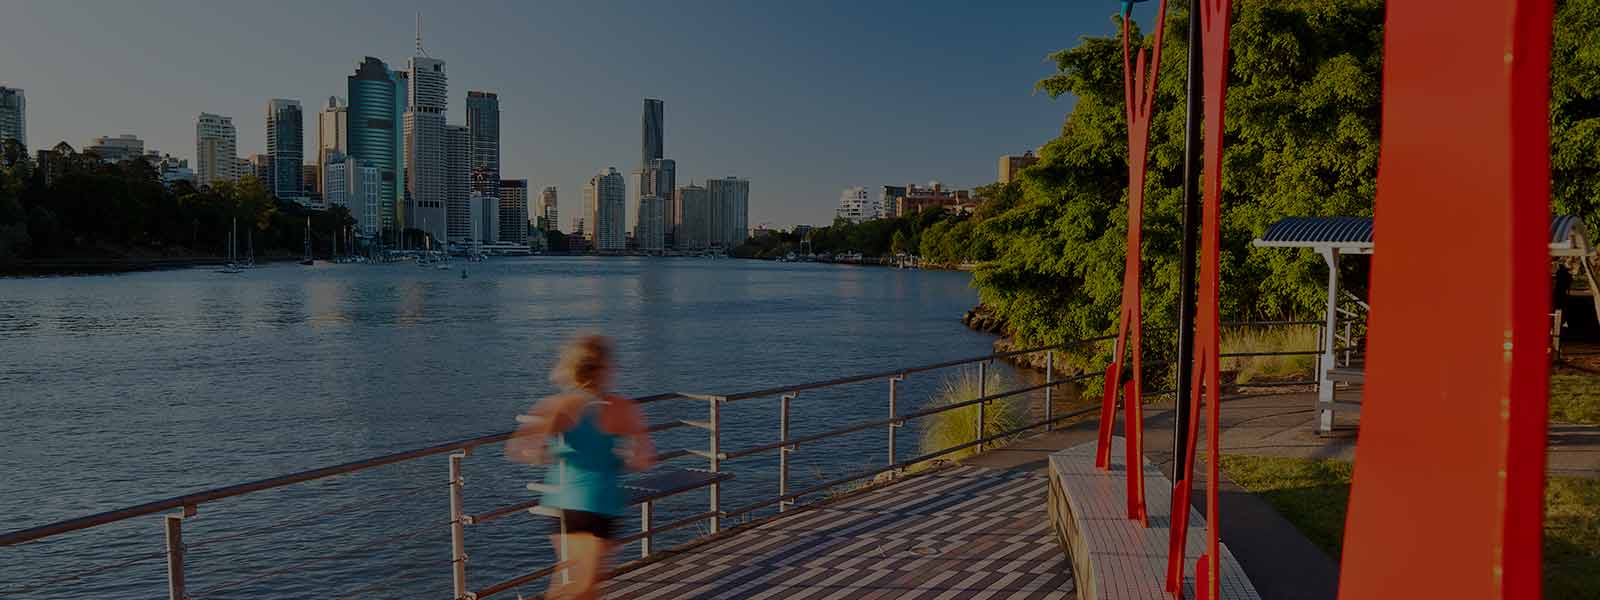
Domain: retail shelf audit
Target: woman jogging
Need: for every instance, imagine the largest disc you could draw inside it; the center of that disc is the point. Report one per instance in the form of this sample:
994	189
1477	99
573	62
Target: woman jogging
590	436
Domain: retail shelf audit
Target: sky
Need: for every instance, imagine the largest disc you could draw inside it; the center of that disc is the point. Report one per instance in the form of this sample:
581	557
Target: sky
803	99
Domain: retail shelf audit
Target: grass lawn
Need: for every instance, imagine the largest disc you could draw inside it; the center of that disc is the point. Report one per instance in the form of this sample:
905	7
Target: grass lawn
1314	494
1575	398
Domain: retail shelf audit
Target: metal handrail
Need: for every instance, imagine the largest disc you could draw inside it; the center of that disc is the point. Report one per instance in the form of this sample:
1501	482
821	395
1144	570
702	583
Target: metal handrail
190	502
789	389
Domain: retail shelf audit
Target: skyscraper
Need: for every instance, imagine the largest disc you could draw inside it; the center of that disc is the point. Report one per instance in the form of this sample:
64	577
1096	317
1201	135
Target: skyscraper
286	145
459	183
375	135
650	234
605	201
355	185
485	218
261	169
651	132
333	131
483	118
216	150
549	208
426	160
730	211
662	178
13	116
694	228
514	210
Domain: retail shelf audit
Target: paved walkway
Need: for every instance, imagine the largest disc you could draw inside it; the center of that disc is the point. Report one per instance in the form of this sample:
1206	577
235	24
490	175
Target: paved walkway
980	530
964	532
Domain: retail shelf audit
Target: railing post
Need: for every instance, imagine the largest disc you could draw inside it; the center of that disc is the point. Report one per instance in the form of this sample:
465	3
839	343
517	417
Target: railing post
1348	342
894	394
458	528
644	526
983	383
1049	390
175	552
783	451
716	464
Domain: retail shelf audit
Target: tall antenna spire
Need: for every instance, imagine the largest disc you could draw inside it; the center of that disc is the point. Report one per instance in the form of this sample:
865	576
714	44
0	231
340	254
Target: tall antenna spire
420	51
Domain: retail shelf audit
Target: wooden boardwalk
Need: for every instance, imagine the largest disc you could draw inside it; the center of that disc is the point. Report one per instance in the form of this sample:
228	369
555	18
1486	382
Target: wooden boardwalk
964	532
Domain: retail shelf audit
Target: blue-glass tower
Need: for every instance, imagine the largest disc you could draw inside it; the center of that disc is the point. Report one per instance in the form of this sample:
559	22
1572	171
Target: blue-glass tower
377	135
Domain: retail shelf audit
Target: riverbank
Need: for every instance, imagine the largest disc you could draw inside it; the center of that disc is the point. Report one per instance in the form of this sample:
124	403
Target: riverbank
110	266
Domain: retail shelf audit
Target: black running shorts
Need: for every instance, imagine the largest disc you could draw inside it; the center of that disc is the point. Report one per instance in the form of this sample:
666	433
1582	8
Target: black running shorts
596	524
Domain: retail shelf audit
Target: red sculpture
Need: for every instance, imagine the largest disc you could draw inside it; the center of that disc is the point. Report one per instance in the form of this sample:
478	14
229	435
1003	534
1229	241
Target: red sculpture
1448	489
1139	91
1215	18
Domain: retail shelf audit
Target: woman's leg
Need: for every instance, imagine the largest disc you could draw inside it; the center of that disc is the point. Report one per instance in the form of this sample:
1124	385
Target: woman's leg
586	555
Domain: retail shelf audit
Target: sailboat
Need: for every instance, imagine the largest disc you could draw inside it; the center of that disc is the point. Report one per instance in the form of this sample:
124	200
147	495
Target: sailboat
307	259
232	267
250	252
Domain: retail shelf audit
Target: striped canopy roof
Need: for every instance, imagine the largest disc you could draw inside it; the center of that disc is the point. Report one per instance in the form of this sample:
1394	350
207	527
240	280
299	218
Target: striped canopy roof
1354	235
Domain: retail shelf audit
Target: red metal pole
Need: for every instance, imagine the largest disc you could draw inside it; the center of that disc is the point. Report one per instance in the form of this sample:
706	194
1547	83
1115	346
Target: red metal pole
1448	490
1215	18
1140	74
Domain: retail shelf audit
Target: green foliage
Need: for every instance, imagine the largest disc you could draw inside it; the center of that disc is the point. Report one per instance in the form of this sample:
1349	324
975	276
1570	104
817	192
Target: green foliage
1288	338
960	425
1302	127
1575	398
91	208
1314	496
874	238
1575	112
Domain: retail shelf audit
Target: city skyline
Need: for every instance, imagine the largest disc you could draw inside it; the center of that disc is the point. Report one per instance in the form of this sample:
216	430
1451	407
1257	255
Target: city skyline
751	121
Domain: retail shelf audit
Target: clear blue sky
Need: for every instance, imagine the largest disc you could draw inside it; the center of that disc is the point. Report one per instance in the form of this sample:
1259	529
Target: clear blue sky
802	98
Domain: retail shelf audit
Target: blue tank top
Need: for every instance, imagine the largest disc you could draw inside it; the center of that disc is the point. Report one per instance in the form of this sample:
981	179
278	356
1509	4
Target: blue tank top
587	474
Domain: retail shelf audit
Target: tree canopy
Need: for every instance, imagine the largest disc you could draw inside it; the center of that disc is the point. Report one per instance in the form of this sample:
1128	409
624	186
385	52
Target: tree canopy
88	208
1303	110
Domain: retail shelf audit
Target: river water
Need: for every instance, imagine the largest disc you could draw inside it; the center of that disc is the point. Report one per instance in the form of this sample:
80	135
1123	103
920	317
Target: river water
117	390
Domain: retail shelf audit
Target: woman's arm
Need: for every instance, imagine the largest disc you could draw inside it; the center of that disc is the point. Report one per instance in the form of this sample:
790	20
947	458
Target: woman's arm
643	452
550	416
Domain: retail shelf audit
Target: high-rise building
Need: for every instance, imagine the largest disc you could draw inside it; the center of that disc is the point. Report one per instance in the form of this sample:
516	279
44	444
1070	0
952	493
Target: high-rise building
605	201
694	227
356	185
855	207
261	169
549	208
333	131
116	149
427	160
483	119
889	200
311	181
1010	164
459	183
650	235
730	211
216	153
286	145
13	116
514	211
375	133
661	179
651	130
486	218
